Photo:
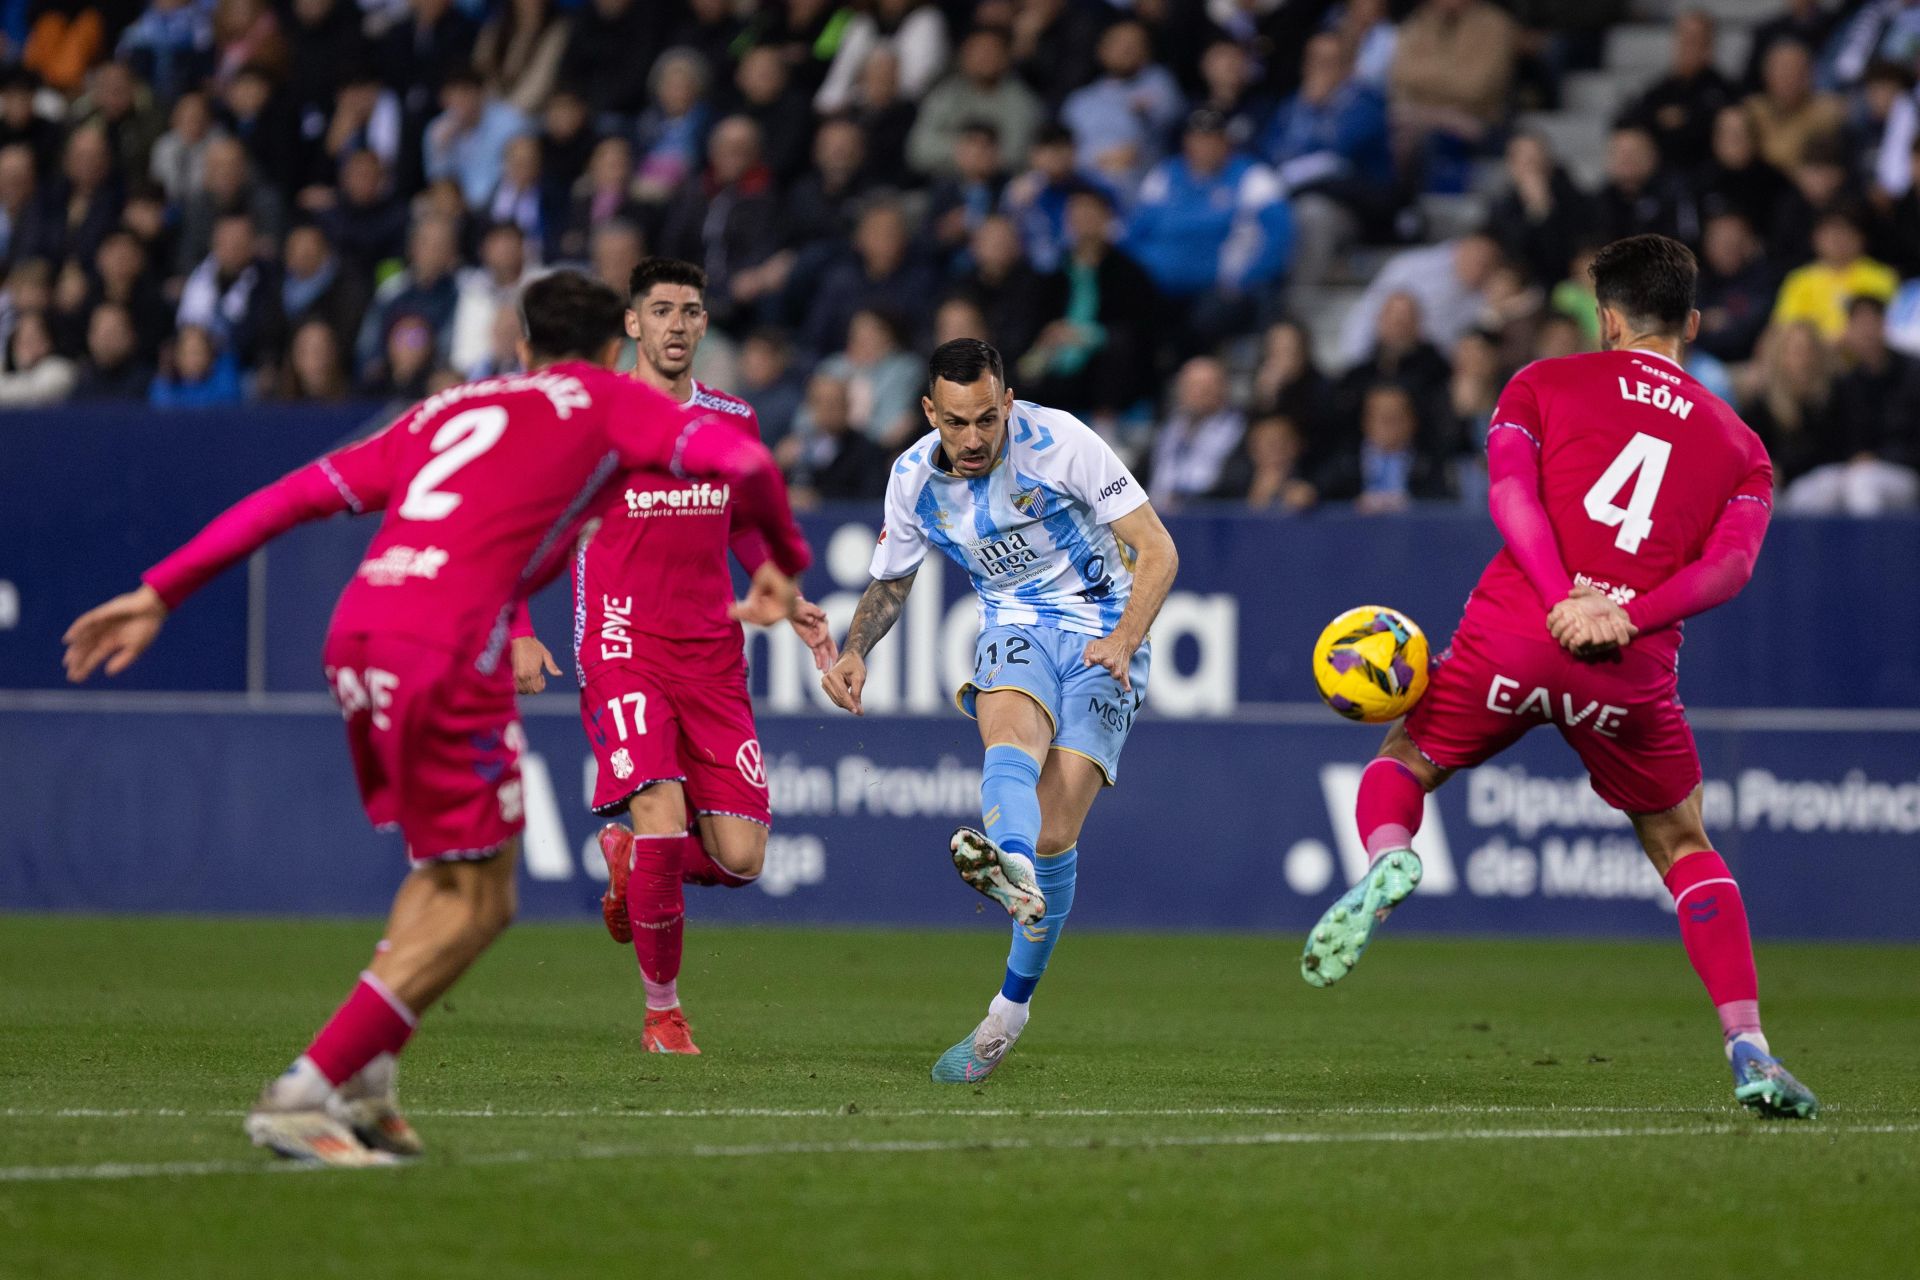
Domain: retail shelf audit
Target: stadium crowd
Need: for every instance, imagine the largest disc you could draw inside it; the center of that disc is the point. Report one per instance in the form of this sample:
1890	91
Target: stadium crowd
1141	202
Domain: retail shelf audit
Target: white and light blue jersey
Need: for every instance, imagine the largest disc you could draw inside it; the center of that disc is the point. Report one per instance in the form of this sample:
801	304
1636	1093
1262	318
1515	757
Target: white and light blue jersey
1033	533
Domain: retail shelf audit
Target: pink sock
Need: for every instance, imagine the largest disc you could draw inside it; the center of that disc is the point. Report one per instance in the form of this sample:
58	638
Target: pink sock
1390	806
373	1021
657	908
1713	929
698	867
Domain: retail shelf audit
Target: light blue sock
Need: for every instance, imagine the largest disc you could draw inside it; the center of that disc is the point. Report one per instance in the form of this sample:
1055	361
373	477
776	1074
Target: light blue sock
1033	944
1009	799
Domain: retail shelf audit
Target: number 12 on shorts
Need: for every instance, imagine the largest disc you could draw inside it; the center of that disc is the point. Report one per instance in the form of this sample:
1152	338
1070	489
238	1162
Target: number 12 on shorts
639	701
1647	455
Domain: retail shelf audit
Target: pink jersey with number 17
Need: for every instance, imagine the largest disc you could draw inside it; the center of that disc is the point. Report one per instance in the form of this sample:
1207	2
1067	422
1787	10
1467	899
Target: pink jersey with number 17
486	488
1638	461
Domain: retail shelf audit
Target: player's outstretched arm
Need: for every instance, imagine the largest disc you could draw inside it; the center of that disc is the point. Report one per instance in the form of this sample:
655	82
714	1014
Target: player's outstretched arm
115	633
878	610
1156	561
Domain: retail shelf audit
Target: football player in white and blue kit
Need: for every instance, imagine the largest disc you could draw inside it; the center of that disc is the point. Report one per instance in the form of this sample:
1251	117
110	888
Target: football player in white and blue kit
1071	565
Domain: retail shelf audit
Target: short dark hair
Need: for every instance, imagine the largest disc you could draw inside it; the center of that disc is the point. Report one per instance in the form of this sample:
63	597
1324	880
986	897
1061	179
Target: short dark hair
1650	279
568	314
649	272
962	362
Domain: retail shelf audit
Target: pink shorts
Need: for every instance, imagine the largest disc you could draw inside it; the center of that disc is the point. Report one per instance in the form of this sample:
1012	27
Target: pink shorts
1624	718
436	745
648	723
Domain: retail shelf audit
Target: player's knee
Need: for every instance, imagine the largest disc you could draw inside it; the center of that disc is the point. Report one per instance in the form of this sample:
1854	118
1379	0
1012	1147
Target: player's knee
1055	840
743	854
658	809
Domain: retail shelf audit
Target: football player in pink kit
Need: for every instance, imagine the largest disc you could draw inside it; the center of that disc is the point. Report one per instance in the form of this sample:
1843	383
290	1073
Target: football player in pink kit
662	666
485	487
1630	498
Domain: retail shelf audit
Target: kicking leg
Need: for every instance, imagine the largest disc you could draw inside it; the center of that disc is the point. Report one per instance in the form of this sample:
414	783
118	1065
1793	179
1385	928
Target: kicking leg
1392	800
998	860
1713	929
444	917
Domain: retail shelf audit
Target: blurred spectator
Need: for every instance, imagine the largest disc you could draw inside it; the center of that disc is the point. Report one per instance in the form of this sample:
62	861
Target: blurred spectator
1641	194
1121	121
958	202
882	275
1881	30
1560	335
170	45
21	122
605	192
725	218
610	38
1003	286
35	374
826	457
466	140
404	367
673	129
521	197
769	382
1787	111
883	382
1037	199
116	102
1388	471
366	117
711	29
245	32
566	145
418	54
1231	86
113	369
960	317
1452	66
614	250
886	118
83	203
1287	384
1542	216
197	373
316	285
178	159
254	112
1328	143
1898	228
1680	108
1882	106
22	215
1821	184
62	45
518	52
228	188
981	90
426	290
1893	167
1738	179
1268	472
121	274
314	368
1806	22
484	289
1053	46
1840	272
1371	39
324	41
368	223
1789	408
912	31
1214	231
233	294
1573	298
1447	283
823	204
1738	285
1402	355
1203	431
768	97
1472	392
1874	415
1100	314
805	33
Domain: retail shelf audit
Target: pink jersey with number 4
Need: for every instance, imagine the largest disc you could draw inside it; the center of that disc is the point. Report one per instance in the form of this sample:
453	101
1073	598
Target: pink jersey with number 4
1637	463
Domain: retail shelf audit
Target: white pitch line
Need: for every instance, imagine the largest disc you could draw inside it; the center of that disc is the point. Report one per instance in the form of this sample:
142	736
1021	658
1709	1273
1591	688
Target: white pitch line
748	1151
882	1113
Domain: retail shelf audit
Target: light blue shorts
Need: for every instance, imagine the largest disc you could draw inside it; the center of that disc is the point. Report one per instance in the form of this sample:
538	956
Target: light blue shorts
1091	713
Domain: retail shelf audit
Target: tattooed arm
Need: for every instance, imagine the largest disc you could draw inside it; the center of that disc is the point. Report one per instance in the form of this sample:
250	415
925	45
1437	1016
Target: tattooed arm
879	609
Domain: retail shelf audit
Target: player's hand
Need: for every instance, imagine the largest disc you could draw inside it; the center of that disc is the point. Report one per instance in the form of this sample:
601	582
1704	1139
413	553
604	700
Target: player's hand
770	597
115	633
1115	653
810	624
1589	624
532	664
844	681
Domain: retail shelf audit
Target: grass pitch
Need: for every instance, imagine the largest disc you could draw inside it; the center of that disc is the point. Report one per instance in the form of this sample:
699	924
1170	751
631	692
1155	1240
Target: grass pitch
1180	1105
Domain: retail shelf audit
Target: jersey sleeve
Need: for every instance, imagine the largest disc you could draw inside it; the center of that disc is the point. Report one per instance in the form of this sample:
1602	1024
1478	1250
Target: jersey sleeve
748	544
358	478
1091	471
1519	511
1518	410
903	541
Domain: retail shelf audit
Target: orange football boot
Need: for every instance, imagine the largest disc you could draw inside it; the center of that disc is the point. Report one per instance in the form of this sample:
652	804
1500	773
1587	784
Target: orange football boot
667	1032
616	846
